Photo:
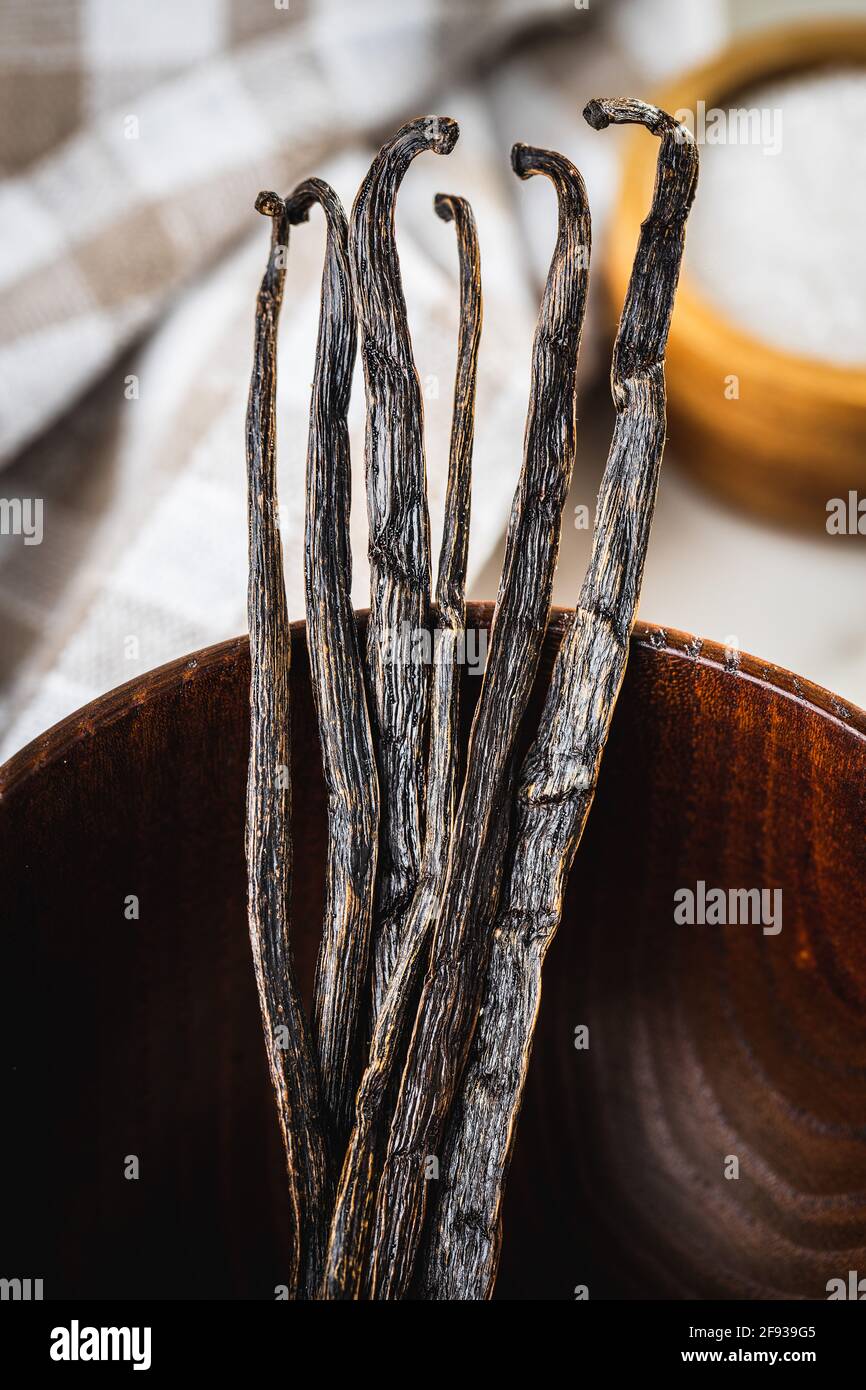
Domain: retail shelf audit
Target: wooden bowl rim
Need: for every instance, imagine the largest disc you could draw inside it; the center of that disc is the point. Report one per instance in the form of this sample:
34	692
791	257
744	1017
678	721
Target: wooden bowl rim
769	53
57	742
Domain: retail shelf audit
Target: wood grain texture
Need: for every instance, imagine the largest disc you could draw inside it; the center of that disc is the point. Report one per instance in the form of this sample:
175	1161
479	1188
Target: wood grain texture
341	995
269	800
560	774
447	1010
350	1227
399	530
703	1040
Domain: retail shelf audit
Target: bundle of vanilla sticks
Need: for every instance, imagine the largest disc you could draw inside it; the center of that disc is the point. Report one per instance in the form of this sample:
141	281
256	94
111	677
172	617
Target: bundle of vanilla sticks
398	1097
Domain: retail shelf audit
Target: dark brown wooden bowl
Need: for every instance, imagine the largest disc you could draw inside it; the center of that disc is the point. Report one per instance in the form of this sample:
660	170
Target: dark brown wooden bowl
142	1036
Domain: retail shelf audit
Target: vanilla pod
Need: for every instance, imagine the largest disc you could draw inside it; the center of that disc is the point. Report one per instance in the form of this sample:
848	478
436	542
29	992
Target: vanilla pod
346	1262
399	525
269	801
340	1004
447	1012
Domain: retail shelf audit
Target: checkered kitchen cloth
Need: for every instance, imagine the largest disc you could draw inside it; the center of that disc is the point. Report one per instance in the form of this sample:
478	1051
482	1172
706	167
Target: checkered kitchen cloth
134	137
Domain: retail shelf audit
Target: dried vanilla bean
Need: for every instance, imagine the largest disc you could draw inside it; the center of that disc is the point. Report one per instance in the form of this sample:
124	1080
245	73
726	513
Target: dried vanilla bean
344	1276
558	778
399	531
340	999
269	804
447	1011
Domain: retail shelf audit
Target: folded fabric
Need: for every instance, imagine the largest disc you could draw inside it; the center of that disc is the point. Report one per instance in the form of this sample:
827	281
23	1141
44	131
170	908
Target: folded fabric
140	136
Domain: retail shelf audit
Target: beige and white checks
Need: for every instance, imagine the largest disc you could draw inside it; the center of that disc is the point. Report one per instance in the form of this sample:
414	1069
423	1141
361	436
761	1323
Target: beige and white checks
134	137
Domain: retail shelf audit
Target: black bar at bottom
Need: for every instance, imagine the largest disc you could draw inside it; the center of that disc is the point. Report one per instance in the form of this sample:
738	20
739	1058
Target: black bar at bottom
213	1338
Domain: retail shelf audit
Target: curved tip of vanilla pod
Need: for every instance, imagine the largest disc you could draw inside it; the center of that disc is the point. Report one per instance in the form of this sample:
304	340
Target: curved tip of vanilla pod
524	160
440	132
269	203
527	160
303	197
444	206
604	111
594	114
299	202
436	133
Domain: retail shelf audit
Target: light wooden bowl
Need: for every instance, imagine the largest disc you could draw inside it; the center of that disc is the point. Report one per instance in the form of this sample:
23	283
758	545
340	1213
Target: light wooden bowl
796	436
143	1036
